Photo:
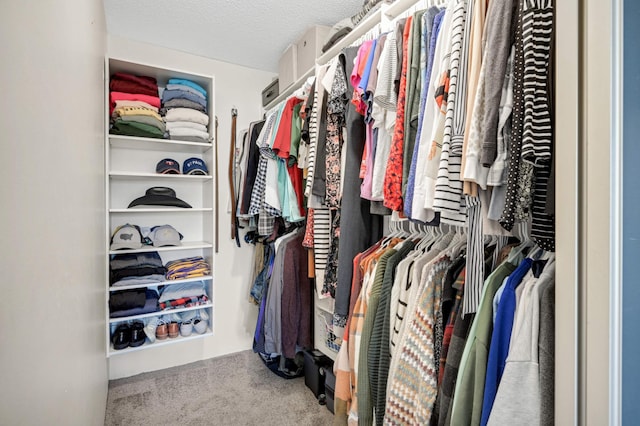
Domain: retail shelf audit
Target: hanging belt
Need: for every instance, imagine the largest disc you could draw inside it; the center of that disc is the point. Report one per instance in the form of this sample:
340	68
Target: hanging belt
232	189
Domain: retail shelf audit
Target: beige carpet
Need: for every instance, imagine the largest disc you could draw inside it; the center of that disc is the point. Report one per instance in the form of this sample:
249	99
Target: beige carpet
236	389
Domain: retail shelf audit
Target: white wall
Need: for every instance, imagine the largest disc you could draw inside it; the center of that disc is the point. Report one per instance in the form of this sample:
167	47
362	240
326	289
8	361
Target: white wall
234	316
52	362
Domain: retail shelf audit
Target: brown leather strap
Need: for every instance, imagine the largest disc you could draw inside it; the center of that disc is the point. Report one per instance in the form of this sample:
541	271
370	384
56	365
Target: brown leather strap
232	190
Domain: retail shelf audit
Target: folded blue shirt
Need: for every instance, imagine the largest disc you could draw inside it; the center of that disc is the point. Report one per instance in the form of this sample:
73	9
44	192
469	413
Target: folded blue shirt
167	95
188	83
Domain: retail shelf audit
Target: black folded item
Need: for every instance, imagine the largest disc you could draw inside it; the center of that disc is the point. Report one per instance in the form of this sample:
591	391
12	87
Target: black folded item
118	274
127	299
150	305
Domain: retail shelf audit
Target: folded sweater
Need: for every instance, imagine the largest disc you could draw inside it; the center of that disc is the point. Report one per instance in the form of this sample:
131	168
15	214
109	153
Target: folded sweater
186	114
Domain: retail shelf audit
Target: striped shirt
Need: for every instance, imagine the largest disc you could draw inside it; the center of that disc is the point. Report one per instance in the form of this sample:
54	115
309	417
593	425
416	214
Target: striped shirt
537	30
448	197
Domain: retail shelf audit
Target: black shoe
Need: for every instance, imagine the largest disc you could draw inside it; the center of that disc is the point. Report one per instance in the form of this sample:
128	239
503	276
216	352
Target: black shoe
138	335
121	338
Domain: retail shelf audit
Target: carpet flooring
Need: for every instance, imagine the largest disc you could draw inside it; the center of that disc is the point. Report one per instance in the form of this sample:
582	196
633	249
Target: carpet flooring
236	389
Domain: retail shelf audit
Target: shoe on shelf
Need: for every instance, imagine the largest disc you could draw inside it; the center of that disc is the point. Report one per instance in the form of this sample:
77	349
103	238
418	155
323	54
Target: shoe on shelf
202	314
150	328
199	325
186	328
173	329
162	331
138	335
121	338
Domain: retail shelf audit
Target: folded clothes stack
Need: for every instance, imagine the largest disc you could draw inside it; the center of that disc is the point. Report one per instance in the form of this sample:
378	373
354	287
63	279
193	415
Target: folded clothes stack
134	106
183	296
190	267
136	269
184	108
139	301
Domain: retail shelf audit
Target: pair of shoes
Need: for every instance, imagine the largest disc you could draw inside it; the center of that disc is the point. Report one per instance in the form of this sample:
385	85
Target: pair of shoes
199	325
173	329
186	328
128	335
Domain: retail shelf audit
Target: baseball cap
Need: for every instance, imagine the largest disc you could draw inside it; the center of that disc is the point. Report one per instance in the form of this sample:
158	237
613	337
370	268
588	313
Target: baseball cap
126	237
194	166
159	196
168	166
165	235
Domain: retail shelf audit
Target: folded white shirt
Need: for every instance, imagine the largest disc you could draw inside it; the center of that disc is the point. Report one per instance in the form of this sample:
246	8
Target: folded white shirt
186	114
187	131
186	124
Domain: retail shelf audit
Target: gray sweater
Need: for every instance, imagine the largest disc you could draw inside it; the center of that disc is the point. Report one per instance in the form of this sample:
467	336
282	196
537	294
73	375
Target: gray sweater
498	38
519	394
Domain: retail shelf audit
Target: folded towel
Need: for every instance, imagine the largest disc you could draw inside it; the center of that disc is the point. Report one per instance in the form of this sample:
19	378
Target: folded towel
186	114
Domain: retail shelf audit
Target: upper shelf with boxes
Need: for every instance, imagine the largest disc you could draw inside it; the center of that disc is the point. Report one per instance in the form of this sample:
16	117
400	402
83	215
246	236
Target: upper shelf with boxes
296	64
320	44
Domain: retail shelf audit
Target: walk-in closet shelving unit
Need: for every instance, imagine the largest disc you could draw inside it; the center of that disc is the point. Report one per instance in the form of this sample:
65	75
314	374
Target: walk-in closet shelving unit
324	338
130	164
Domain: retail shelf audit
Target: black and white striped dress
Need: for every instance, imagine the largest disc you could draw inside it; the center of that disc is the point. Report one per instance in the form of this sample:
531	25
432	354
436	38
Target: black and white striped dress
537	136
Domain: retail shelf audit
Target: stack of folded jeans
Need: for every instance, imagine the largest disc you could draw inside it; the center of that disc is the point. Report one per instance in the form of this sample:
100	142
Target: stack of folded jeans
184	107
134	106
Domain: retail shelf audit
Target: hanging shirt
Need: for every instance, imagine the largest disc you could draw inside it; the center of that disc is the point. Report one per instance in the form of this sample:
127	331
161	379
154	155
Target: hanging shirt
393	173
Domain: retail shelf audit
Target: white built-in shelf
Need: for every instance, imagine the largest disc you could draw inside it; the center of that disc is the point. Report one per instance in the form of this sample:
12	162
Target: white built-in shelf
167	282
161	210
361	29
289	90
163	145
137	175
184	246
398	7
159	343
160	313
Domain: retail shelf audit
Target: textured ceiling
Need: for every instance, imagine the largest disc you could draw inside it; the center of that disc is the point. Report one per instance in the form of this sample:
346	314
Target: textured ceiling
250	33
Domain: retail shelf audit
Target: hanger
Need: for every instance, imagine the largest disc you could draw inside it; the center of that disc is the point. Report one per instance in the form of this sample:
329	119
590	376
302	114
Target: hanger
521	232
461	243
